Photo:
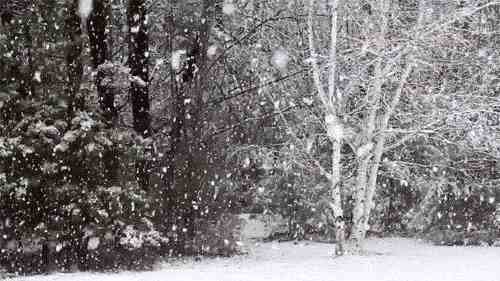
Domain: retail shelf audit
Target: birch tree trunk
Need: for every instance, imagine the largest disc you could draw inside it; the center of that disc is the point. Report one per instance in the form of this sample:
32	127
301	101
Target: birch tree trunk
365	151
368	170
331	102
380	144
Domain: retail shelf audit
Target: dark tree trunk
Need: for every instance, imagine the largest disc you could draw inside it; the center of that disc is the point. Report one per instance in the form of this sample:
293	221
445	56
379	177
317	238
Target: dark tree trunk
73	34
189	86
187	159
179	109
19	72
98	28
98	39
340	236
138	61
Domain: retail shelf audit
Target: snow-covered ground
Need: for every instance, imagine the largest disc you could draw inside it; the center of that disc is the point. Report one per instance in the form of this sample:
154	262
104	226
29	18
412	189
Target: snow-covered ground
399	260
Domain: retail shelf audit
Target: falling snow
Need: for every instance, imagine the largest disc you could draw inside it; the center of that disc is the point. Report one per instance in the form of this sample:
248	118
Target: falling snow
176	59
280	59
93	243
249	140
229	7
212	51
85	8
38	76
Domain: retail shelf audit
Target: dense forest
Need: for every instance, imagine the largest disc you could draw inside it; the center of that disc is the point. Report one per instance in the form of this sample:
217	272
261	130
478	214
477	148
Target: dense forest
141	129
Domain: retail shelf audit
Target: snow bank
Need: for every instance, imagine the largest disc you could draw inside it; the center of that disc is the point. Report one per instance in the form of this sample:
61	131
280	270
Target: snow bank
400	260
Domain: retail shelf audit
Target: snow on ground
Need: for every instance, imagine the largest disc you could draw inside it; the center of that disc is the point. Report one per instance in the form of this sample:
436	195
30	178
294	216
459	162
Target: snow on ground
400	260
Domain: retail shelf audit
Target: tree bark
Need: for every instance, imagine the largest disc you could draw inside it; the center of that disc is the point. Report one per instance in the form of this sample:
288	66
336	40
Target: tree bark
97	25
368	169
73	60
74	67
98	31
380	143
187	159
138	62
364	159
332	106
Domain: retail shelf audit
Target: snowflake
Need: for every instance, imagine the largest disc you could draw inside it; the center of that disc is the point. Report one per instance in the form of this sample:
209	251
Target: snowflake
229	8
280	59
85	8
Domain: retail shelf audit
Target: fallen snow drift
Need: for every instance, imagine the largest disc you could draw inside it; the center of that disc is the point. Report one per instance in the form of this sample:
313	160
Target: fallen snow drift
399	259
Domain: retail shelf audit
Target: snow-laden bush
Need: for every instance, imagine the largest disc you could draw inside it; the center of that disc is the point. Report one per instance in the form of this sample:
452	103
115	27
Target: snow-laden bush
57	192
301	201
217	238
465	217
207	225
101	229
133	238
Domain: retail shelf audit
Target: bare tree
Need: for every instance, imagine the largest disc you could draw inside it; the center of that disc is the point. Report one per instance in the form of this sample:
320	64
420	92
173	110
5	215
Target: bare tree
331	102
371	138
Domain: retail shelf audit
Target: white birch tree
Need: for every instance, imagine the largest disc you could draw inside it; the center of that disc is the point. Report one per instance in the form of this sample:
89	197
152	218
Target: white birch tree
372	137
331	101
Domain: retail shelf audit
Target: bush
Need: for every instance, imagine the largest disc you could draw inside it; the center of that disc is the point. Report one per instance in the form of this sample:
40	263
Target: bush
105	229
217	238
465	218
301	200
453	237
62	208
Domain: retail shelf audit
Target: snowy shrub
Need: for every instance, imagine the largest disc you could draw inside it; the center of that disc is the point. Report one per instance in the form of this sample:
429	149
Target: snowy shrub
206	226
217	238
102	229
133	238
436	189
278	186
56	189
395	199
301	201
261	226
465	217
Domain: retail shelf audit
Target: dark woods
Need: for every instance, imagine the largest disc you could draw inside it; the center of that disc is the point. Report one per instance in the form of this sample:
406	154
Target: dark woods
79	188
